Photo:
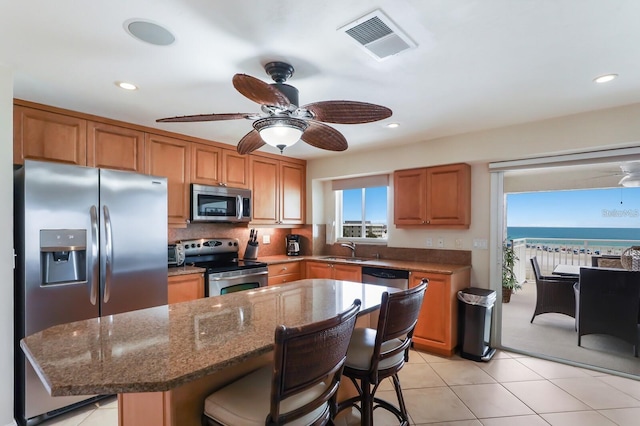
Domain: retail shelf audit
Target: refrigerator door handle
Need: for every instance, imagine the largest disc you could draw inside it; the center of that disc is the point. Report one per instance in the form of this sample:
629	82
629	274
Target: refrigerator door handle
108	255
239	206
93	267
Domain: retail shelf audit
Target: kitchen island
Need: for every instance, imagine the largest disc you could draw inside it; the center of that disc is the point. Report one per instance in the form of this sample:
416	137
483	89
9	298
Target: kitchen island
164	361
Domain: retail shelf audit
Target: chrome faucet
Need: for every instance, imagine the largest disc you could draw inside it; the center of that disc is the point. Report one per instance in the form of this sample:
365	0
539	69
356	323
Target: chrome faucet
352	246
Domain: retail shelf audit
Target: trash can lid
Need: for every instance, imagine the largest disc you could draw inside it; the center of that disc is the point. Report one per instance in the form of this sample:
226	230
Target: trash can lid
477	296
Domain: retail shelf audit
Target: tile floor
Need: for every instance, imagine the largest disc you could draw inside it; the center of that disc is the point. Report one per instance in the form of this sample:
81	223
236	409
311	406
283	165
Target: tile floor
511	390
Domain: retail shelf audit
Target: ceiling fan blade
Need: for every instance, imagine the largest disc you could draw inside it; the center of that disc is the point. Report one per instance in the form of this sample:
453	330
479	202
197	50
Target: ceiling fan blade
259	91
324	137
347	112
205	117
250	142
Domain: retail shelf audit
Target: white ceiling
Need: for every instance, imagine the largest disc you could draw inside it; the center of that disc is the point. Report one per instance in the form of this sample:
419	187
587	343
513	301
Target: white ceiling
479	63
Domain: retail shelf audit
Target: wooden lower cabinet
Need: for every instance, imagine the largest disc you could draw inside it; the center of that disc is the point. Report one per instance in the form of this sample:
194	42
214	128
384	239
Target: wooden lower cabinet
183	288
281	273
336	271
437	327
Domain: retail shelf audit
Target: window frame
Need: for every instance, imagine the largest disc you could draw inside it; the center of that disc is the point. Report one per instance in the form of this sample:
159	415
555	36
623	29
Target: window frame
339	219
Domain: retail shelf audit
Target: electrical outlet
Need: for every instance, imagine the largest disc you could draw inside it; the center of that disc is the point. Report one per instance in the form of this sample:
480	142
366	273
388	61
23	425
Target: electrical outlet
458	243
429	242
266	239
440	242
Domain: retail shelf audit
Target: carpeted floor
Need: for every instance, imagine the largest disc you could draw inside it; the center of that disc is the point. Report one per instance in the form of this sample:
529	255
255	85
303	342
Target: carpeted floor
554	335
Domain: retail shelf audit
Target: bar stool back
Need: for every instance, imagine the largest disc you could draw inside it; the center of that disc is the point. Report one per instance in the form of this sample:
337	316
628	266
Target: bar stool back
374	355
299	388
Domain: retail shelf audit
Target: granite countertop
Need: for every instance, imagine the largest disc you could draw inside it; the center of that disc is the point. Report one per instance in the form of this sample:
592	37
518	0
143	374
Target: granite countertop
435	268
157	349
185	270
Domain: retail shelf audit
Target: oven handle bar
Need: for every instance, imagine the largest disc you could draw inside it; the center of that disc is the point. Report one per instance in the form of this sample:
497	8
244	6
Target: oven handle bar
212	277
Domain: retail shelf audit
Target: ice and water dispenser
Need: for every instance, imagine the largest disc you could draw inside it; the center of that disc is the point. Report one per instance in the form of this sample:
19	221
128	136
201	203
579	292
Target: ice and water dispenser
63	254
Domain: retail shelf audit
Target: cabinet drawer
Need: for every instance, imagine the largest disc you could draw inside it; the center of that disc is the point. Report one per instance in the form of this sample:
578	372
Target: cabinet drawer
284	268
281	279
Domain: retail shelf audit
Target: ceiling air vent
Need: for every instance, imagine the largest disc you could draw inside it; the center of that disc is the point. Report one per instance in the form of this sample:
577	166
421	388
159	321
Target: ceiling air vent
378	36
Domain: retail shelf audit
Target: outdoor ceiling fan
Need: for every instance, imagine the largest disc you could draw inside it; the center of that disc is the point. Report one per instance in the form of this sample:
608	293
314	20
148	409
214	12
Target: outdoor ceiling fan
282	121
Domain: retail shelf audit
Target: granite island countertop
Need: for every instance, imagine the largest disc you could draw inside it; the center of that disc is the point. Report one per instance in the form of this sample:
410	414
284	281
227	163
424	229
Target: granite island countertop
157	349
410	265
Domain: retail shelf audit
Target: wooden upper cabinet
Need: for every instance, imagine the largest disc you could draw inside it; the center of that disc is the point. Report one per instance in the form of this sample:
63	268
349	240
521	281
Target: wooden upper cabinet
264	186
449	195
115	147
278	191
235	169
171	158
292	193
48	136
438	197
206	164
410	190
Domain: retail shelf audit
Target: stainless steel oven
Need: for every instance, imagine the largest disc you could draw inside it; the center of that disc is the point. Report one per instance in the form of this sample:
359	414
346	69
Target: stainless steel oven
225	272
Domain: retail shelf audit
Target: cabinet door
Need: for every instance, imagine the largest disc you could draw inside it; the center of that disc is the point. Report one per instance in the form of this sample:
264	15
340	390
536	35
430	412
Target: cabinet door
410	192
235	169
264	185
347	272
183	288
434	320
47	136
206	161
115	147
318	270
170	157
292	193
449	195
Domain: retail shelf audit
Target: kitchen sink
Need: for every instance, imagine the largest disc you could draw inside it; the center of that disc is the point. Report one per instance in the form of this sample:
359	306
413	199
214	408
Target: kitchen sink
344	258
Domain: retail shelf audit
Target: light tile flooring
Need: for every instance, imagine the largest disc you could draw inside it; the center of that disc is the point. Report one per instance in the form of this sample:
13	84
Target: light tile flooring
510	390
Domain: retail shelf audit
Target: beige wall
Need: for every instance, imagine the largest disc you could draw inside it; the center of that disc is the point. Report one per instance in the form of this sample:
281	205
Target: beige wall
6	247
616	127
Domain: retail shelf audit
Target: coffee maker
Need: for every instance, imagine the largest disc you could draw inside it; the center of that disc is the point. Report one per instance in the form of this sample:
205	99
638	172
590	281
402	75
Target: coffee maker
292	242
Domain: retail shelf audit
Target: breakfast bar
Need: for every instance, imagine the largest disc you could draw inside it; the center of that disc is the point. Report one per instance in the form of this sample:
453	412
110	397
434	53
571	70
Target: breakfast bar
164	361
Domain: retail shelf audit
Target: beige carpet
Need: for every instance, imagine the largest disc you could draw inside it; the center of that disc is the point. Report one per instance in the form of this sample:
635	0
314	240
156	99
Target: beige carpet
554	335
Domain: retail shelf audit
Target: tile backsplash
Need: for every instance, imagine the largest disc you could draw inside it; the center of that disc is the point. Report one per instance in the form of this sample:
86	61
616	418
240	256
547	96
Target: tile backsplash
313	242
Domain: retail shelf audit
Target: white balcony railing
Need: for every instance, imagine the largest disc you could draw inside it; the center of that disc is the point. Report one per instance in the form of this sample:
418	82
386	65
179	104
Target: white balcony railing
553	251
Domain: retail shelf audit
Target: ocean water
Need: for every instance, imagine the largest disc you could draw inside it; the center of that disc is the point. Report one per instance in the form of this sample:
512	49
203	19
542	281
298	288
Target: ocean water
625	234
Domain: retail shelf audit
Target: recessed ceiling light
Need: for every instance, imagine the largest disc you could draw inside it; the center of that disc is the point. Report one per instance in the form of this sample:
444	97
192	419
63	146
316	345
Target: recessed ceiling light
149	32
605	78
126	86
393	125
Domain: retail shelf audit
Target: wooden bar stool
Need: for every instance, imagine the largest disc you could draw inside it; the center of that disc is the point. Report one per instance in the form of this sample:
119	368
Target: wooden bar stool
299	388
374	355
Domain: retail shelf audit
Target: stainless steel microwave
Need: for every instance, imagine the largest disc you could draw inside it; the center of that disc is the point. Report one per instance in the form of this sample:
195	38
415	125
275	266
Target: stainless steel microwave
220	204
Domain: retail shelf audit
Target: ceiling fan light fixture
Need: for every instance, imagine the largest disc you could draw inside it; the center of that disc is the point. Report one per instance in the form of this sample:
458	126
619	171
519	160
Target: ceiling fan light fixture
280	132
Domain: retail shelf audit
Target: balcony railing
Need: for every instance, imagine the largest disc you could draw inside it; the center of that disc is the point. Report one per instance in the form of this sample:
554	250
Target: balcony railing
553	251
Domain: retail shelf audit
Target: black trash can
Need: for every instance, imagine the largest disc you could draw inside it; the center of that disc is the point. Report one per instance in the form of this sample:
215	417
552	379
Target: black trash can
474	322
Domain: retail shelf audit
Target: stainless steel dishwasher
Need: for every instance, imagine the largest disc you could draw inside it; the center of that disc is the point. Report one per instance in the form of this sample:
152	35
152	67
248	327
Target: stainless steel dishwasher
397	278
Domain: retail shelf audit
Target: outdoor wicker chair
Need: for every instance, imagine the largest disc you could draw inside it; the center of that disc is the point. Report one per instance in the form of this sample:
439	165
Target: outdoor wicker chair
554	294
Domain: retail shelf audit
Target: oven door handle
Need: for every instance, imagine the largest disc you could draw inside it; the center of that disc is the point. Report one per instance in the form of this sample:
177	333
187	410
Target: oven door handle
255	274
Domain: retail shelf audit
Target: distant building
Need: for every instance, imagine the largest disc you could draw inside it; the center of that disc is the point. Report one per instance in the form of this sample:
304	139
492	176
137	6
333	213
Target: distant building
353	229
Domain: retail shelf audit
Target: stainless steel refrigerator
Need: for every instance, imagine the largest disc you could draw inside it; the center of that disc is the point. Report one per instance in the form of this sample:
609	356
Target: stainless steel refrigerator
89	242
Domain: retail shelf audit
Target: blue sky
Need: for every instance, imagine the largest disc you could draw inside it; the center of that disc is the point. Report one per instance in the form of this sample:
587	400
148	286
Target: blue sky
376	208
593	208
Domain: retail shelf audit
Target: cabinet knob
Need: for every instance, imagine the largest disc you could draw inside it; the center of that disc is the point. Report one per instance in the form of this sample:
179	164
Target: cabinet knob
284	268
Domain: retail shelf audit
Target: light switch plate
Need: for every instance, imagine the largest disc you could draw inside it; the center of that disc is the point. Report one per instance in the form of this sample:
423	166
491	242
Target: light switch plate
480	244
266	239
429	242
440	242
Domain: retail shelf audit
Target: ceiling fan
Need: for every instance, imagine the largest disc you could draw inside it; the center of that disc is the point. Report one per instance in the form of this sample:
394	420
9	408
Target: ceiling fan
282	121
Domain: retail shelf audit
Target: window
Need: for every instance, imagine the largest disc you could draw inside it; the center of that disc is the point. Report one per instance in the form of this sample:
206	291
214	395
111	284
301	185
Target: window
362	208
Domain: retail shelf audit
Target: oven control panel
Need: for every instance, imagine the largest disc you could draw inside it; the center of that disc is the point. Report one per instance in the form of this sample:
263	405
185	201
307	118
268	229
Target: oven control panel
205	246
